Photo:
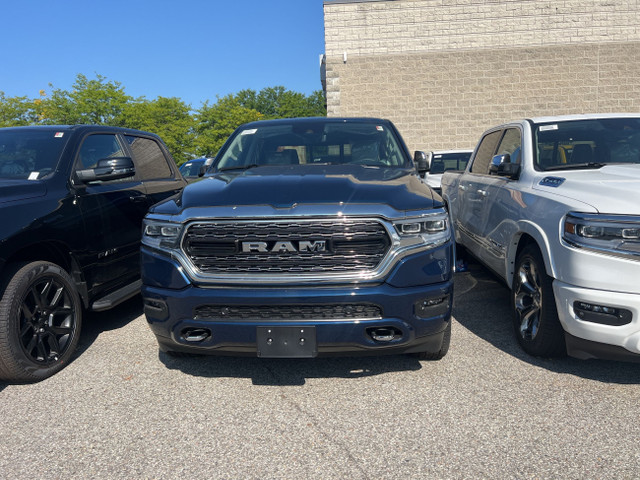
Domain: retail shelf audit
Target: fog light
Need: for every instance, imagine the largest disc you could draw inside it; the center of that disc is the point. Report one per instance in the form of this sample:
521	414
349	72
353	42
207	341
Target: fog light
155	310
430	307
602	314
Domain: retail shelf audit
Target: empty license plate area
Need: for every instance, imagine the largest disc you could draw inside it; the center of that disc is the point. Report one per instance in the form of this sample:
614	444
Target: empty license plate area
287	342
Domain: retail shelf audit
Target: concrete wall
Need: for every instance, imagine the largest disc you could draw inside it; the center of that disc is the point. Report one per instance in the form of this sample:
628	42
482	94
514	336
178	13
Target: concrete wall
443	71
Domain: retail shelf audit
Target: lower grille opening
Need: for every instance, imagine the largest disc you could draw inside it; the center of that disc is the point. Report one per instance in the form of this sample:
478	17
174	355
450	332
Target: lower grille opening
288	312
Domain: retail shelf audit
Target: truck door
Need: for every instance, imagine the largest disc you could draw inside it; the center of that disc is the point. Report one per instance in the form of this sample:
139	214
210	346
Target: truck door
503	203
112	213
472	191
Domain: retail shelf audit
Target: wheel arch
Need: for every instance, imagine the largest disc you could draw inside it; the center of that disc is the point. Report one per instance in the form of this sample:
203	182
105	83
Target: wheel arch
54	252
528	234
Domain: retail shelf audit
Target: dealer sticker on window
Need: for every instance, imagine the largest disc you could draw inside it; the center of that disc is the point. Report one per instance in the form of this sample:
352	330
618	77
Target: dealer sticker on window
545	128
249	131
59	135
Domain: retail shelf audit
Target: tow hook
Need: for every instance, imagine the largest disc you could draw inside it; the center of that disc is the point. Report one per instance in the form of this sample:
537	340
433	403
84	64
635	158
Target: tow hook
384	334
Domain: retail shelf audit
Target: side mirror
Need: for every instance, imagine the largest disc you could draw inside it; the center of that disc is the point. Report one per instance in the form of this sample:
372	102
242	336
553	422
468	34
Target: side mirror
108	169
205	166
421	162
501	165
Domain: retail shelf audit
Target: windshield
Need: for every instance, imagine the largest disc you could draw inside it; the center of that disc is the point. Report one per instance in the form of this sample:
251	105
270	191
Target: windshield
313	143
587	143
29	154
441	162
191	168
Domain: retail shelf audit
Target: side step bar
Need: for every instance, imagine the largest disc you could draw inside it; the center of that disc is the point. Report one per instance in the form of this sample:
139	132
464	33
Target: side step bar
119	296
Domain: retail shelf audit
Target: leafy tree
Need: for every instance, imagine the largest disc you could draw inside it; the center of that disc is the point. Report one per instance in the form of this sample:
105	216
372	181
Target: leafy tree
170	118
16	111
278	102
186	133
95	101
214	123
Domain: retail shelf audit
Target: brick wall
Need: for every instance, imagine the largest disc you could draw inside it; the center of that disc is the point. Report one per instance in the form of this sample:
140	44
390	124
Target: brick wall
445	70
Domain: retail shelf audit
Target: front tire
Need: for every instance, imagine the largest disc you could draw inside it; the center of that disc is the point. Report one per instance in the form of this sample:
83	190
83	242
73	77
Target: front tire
535	322
40	321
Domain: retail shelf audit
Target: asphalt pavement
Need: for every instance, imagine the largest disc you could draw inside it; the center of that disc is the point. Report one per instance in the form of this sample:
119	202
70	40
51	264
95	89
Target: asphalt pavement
487	410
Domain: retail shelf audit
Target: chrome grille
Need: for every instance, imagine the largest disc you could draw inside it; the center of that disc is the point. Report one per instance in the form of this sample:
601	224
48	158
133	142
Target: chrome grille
351	246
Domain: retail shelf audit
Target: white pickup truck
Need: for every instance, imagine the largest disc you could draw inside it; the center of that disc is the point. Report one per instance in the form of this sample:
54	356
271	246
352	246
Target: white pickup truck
552	206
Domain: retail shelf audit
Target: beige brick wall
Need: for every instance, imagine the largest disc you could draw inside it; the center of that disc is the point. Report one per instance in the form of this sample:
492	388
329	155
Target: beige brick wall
402	26
445	70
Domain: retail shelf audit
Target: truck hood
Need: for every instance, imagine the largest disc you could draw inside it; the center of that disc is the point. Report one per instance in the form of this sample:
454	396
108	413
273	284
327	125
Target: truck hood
284	187
610	189
12	190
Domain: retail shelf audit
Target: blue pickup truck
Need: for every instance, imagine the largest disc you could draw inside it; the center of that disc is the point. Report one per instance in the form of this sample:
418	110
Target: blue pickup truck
306	237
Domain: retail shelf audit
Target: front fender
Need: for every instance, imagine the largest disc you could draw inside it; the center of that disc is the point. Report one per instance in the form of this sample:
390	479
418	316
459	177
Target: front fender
527	229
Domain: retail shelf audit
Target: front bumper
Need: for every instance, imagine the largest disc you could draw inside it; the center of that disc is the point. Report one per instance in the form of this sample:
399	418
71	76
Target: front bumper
593	337
205	319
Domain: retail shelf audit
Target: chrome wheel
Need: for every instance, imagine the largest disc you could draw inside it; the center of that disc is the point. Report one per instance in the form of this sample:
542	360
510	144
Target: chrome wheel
535	321
528	299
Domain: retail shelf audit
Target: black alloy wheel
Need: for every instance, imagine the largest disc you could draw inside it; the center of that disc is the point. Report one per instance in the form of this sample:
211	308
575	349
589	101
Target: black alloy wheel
40	320
536	322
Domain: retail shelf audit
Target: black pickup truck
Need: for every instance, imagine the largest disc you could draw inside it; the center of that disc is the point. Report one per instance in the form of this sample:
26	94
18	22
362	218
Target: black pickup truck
72	200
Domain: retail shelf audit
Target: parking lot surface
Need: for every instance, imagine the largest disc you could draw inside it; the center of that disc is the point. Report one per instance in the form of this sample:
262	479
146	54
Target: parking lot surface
487	410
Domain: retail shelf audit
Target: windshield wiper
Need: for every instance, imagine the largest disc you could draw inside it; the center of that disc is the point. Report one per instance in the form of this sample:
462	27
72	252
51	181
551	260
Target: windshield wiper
242	167
576	166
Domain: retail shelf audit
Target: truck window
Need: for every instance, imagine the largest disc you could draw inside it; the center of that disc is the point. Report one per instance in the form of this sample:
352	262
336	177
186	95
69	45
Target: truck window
148	157
304	144
27	153
98	146
486	150
511	143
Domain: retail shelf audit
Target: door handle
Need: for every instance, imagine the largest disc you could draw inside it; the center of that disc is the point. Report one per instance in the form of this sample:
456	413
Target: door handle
137	198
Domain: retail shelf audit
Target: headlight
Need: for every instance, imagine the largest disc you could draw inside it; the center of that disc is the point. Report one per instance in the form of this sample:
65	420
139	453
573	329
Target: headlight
613	234
432	229
160	234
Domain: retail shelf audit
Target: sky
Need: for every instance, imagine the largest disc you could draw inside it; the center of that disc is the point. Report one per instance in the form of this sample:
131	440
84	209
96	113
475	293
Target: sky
195	50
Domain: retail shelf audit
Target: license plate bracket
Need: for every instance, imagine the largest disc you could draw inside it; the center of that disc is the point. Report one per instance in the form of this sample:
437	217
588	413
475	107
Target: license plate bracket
286	342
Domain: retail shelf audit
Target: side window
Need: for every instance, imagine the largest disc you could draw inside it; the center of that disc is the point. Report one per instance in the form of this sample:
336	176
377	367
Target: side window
511	144
148	157
485	152
98	146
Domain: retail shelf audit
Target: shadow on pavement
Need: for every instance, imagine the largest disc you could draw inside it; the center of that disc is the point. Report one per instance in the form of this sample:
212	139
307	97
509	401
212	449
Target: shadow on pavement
289	372
95	323
482	305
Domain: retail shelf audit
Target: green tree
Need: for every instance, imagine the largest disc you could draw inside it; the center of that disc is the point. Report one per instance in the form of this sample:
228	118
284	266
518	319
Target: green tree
17	111
170	118
278	102
91	101
214	123
186	133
